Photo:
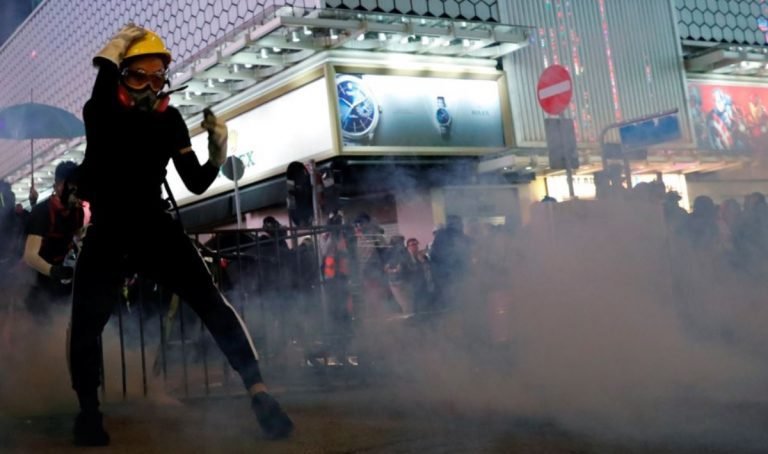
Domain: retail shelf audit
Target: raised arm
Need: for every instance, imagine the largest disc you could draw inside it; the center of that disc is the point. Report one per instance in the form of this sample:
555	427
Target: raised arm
196	177
108	61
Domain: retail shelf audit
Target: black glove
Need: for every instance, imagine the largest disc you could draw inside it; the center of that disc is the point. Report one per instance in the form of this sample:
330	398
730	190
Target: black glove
61	272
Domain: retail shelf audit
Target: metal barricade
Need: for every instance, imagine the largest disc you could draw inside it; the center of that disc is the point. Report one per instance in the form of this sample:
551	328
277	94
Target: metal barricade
275	280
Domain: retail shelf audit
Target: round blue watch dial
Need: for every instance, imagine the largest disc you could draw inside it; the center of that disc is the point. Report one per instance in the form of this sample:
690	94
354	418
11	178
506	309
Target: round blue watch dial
357	111
443	117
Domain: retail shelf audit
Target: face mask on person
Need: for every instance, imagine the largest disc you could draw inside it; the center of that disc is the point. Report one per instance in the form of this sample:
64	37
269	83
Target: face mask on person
141	90
144	100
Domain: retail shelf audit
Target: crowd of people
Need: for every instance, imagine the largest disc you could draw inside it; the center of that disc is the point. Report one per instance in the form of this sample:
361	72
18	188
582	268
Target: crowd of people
364	272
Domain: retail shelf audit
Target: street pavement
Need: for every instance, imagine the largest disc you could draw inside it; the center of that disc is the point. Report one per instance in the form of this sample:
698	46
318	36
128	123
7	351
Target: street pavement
359	420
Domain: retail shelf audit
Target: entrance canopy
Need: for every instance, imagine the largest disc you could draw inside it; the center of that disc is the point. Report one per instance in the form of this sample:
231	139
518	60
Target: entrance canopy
270	45
729	60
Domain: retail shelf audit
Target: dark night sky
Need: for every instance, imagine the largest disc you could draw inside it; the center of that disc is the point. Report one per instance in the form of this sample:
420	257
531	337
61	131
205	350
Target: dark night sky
12	14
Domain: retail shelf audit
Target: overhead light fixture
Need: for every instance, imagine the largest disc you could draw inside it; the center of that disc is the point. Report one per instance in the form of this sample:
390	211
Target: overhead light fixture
221	79
264	53
248	66
332	34
295	37
276	50
361	37
307	31
198	93
750	65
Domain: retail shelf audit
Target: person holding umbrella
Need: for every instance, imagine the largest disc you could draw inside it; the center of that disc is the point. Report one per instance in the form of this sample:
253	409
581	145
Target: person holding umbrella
132	133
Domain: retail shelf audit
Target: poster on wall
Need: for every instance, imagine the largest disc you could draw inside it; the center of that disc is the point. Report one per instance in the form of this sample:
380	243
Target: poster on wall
730	117
404	111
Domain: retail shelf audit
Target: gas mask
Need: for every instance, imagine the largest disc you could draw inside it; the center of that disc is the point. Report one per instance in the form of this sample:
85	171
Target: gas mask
144	100
142	91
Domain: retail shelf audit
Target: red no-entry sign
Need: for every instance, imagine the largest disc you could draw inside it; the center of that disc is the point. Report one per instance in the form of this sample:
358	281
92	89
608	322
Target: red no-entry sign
554	90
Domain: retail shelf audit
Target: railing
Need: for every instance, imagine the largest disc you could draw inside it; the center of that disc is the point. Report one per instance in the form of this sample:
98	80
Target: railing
275	282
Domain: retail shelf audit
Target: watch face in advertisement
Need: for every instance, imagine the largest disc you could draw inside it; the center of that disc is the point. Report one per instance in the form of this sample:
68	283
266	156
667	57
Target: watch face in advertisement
443	117
357	108
384	110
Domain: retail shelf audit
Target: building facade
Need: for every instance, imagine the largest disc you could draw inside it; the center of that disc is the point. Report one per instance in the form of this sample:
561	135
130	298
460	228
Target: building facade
429	105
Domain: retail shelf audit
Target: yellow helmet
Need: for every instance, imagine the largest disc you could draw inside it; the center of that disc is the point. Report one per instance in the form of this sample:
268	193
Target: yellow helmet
149	44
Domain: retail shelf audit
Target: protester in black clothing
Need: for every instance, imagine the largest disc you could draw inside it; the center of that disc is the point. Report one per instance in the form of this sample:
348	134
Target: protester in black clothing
13	219
50	242
417	276
274	234
701	227
674	215
751	236
131	134
450	255
12	224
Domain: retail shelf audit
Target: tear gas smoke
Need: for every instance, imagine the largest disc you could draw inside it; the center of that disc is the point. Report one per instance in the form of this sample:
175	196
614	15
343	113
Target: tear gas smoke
593	315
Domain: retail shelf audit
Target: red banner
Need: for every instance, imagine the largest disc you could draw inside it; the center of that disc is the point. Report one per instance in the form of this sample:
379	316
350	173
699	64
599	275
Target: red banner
730	117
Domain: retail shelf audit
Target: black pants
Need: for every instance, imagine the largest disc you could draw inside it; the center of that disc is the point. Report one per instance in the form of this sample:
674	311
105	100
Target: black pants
161	251
44	295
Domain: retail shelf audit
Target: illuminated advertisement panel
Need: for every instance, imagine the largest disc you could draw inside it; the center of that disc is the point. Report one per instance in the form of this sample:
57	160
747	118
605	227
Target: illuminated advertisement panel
405	111
293	127
729	117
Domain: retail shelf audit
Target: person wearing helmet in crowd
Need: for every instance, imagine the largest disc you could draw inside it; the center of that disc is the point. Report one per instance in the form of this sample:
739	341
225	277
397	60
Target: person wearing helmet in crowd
132	134
50	242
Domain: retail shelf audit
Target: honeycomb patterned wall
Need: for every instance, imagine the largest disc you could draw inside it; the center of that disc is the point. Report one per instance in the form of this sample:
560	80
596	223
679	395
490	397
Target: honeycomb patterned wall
479	10
51	53
728	21
49	57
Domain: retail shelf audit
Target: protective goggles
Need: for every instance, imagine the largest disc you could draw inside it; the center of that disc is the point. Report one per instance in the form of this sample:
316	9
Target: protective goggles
138	79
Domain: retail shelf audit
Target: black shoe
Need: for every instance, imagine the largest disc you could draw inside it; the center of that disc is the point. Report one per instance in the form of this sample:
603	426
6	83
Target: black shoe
274	422
89	430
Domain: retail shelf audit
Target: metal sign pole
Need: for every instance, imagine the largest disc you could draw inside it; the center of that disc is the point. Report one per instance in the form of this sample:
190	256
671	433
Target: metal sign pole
237	194
567	155
315	194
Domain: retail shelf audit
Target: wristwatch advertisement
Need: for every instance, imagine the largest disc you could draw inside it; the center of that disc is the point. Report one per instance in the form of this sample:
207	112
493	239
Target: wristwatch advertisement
359	113
421	112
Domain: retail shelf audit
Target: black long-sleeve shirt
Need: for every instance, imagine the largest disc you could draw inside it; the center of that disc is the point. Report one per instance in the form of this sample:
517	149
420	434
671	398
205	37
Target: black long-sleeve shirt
127	153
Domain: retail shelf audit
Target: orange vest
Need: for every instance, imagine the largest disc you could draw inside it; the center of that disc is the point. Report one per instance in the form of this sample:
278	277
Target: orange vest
335	264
